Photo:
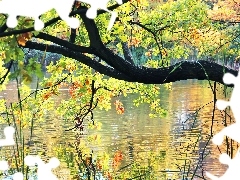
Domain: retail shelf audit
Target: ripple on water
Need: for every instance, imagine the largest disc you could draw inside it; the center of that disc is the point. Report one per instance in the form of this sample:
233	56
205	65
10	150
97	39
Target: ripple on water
180	138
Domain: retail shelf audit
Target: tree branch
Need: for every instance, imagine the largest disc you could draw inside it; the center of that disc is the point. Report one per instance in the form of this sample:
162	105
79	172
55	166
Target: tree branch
79	57
104	53
92	30
2	79
64	43
201	70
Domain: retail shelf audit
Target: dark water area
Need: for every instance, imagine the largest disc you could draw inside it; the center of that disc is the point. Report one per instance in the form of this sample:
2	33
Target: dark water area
181	137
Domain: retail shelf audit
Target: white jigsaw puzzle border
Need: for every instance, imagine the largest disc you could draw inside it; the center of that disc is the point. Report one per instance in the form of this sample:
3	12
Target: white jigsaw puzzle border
28	8
44	169
63	9
232	131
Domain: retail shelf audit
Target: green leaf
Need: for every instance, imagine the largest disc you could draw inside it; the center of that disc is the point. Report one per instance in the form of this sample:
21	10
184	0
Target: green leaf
15	74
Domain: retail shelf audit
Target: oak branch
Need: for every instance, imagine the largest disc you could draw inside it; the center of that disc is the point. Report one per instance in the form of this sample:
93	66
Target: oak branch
116	66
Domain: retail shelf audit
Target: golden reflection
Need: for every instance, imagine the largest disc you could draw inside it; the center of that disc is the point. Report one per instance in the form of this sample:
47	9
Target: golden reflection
176	147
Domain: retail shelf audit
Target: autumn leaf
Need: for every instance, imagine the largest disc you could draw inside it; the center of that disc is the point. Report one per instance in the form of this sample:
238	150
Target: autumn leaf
87	82
18	121
118	157
46	95
119	107
23	38
48	84
101	98
71	91
27	35
99	164
21	41
78	4
108	175
134	42
77	84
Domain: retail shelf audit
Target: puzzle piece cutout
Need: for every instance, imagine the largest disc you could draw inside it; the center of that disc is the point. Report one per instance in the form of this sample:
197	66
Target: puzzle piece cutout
4	167
232	172
235	98
16	176
44	169
231	131
28	8
8	133
8	141
34	9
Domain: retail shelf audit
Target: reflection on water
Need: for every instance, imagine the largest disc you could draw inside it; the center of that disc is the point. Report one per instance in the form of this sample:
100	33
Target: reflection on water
181	138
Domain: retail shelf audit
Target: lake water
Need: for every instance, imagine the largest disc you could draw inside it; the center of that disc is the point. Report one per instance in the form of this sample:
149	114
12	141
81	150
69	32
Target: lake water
181	138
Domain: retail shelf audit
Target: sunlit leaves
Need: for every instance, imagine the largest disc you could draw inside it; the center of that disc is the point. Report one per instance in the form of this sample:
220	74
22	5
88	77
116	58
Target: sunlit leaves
164	28
152	63
226	10
117	159
2	105
95	126
3	72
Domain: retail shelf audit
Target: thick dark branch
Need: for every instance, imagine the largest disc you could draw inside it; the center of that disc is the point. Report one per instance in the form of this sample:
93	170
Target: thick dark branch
104	53
3	28
92	30
117	62
64	43
79	57
201	70
184	70
97	44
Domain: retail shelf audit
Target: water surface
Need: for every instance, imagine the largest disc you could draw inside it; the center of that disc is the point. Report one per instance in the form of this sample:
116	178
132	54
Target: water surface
181	138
